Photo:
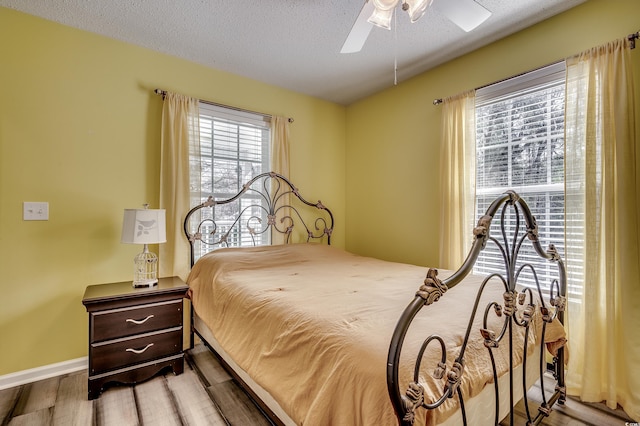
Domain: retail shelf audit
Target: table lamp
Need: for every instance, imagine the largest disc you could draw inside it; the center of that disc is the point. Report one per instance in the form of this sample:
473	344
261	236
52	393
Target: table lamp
144	226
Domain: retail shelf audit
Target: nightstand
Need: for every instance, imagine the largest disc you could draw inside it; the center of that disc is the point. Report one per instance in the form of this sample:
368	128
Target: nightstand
134	333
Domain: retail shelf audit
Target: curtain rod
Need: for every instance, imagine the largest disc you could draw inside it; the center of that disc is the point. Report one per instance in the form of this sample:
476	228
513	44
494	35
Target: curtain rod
439	101
163	93
632	45
632	39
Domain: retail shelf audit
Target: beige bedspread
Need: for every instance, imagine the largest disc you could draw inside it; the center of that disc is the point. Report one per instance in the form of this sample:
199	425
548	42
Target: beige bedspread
312	325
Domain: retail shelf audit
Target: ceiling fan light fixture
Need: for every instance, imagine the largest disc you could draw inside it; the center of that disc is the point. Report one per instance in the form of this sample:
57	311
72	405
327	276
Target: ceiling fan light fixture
382	13
381	18
416	8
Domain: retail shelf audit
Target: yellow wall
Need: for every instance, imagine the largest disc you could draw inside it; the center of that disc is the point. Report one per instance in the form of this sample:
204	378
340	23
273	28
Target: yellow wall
393	138
79	128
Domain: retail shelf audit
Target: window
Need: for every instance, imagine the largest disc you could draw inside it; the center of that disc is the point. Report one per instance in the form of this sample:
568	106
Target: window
520	146
234	147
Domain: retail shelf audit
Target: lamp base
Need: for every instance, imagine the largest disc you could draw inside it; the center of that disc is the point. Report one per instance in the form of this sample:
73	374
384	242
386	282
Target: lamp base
145	269
145	283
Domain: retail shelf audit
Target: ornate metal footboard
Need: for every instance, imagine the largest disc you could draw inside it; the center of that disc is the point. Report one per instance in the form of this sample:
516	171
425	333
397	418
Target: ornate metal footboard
266	207
412	399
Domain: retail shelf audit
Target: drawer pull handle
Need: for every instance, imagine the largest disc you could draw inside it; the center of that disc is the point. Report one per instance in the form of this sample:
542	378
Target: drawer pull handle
142	321
139	351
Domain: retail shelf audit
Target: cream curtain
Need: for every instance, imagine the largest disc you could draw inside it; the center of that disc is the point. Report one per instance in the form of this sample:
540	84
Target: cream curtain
602	230
280	164
458	179
178	178
280	145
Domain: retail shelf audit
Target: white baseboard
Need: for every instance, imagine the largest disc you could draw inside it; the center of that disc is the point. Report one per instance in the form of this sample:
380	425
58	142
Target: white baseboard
44	372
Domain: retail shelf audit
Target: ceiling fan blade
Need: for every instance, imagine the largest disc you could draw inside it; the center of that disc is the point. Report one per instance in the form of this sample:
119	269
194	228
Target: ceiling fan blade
360	30
467	14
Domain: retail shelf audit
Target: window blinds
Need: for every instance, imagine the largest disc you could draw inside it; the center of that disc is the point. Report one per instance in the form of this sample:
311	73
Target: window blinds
520	146
234	147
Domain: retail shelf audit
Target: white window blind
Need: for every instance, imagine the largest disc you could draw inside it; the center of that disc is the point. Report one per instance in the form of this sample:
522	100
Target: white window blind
520	146
234	147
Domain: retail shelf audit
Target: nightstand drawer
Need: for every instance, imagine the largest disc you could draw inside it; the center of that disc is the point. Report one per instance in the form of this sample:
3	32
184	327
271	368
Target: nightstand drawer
129	351
124	322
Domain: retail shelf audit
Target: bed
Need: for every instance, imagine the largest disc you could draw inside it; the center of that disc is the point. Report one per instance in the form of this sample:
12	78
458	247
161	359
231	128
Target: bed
320	336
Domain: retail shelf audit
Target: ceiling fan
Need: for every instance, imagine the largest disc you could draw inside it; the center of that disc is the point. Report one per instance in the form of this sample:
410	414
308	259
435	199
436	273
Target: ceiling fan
467	14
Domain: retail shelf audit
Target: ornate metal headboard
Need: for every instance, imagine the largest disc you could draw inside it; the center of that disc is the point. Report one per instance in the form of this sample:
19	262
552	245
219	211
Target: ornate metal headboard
267	207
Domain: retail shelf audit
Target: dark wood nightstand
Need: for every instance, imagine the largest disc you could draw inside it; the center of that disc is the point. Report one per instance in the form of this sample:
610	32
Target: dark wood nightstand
134	333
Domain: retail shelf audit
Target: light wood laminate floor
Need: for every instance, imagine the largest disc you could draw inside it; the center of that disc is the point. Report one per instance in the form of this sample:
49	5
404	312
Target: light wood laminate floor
203	395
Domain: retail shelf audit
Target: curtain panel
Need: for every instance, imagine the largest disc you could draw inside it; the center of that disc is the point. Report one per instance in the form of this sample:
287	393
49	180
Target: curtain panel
279	163
602	231
280	145
458	179
180	141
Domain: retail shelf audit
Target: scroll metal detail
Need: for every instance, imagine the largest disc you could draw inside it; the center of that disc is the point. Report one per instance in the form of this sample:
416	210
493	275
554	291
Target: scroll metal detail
481	231
433	288
266	206
413	398
454	378
510	306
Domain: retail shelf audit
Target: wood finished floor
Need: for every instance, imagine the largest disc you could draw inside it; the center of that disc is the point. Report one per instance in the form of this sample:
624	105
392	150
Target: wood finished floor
203	395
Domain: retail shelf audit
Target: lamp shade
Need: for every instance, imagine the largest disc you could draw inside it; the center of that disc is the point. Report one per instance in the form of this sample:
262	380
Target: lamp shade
144	226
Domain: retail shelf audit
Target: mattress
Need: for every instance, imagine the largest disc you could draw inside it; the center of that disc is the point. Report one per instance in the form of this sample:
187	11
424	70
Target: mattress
310	326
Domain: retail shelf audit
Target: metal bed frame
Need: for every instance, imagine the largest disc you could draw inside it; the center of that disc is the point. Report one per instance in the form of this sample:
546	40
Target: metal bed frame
280	211
433	288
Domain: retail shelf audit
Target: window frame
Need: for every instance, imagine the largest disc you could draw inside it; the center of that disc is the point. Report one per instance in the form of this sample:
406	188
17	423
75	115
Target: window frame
238	134
549	78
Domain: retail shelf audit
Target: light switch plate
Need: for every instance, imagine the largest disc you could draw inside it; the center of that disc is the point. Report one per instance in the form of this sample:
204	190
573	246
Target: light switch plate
35	211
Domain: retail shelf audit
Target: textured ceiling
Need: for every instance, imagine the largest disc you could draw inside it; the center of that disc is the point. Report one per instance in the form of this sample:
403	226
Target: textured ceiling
294	44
